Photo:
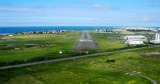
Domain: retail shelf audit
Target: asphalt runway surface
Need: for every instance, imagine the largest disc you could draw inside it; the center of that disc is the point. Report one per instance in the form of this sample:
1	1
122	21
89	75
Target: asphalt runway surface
85	42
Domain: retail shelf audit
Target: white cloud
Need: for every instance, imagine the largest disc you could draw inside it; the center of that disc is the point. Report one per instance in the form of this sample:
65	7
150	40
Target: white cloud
22	11
93	5
98	6
146	18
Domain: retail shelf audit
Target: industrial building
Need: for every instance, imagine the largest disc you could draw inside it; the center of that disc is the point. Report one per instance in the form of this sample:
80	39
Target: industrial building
135	39
157	38
134	43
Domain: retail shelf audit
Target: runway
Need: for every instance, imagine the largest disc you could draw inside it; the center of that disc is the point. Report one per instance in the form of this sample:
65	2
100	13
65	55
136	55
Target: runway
85	42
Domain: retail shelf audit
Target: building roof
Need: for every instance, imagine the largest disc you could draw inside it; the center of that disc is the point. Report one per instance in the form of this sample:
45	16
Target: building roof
155	41
133	42
135	36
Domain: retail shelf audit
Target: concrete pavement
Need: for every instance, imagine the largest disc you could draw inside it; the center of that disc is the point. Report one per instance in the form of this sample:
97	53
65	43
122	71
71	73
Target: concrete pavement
85	42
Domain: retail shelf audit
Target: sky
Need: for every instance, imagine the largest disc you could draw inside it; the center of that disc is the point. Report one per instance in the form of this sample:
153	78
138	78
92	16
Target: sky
80	13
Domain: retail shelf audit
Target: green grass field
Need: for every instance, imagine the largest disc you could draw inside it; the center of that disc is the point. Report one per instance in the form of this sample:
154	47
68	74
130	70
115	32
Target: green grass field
91	70
34	47
37	46
108	41
46	45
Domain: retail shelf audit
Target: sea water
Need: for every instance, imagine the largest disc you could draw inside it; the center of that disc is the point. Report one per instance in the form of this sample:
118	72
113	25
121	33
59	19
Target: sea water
40	28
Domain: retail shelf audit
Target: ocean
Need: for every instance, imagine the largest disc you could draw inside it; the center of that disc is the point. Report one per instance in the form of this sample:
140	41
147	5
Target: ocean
10	30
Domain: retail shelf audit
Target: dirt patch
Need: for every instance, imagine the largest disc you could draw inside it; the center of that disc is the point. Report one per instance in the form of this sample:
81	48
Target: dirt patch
10	45
151	54
31	45
2	45
32	70
37	45
7	46
1	37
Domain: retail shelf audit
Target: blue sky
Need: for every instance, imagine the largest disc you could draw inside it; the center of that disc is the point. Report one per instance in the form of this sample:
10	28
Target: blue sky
80	13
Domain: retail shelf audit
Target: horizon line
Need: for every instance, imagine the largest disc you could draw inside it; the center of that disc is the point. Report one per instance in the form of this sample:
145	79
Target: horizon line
78	25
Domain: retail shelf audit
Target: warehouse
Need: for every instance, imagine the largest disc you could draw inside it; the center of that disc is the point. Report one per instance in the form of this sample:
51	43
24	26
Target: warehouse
134	42
135	37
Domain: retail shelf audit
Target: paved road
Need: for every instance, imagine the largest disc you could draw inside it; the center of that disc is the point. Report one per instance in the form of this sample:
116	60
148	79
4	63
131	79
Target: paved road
150	79
143	76
85	42
69	58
